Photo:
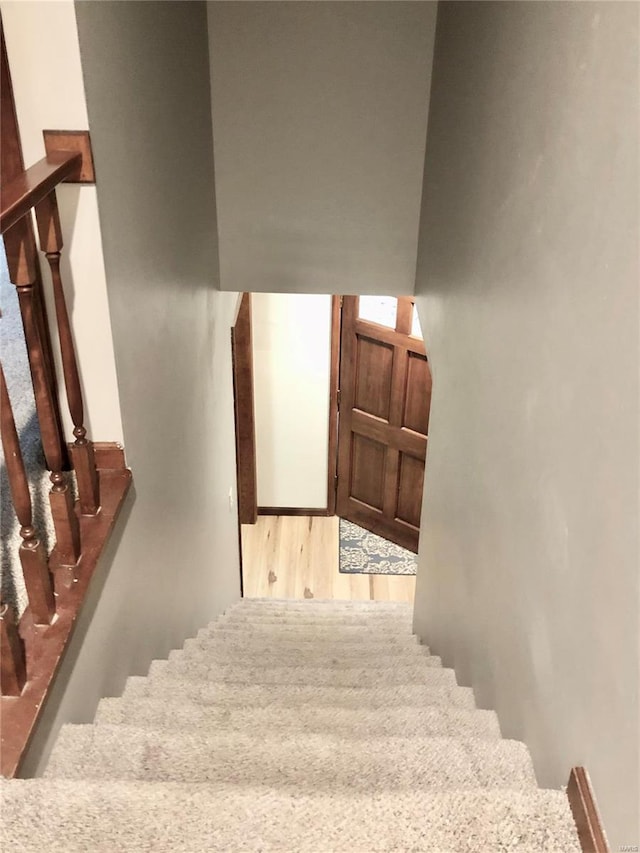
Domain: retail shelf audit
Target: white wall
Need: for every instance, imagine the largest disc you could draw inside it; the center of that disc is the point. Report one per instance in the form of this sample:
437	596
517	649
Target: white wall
319	121
291	358
528	295
176	564
44	58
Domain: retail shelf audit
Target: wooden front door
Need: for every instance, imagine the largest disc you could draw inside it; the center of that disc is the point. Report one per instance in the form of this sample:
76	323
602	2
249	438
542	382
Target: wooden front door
385	396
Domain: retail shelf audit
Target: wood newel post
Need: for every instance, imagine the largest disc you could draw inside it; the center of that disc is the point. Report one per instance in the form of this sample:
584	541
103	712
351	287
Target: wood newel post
67	528
13	671
84	463
33	556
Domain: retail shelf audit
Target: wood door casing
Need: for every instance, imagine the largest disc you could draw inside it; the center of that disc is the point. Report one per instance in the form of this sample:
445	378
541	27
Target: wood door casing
242	366
385	397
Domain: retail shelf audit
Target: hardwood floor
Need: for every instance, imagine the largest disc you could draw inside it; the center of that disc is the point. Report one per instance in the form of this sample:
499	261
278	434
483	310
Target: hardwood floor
297	557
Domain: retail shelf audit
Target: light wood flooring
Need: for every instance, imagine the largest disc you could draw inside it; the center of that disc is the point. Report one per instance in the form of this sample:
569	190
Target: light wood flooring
297	557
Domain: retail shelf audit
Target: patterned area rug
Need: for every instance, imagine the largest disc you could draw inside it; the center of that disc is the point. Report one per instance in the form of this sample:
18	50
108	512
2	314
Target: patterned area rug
362	552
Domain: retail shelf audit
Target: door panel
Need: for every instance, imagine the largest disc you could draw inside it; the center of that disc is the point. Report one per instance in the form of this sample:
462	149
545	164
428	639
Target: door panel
385	395
418	394
410	489
373	377
367	471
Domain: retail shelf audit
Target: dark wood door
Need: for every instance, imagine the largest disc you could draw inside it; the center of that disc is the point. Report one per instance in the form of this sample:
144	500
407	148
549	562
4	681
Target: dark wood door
385	396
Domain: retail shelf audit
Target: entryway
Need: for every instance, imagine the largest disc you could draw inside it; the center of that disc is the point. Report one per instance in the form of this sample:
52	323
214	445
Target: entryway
332	408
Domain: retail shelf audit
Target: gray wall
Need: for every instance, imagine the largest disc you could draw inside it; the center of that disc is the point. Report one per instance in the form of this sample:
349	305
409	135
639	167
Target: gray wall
528	294
176	566
319	121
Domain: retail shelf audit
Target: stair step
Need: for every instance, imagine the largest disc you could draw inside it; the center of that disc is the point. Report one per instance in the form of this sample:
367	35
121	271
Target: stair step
363	605
364	620
303	633
362	676
76	817
290	726
302	762
232	641
300	620
175	713
203	649
296	695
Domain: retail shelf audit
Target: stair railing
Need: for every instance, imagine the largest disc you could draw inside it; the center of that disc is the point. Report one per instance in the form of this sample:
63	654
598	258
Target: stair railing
34	189
56	582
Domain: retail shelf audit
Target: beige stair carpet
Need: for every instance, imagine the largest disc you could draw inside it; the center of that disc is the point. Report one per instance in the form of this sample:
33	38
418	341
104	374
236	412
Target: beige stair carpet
290	726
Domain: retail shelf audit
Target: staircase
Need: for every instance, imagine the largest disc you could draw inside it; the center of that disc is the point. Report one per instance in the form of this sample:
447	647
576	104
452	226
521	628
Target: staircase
290	726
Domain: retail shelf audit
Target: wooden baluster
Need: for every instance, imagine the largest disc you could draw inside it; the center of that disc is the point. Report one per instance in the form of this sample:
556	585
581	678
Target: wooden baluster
84	463
22	271
32	553
13	671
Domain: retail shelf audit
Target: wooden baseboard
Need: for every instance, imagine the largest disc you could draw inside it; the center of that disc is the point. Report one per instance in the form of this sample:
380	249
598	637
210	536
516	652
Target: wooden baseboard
585	813
109	455
293	510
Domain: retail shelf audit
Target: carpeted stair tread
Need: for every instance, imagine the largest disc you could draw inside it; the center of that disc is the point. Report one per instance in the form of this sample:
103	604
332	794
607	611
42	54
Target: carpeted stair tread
309	726
234	643
335	604
198	670
401	622
371	625
175	713
306	633
317	607
310	762
130	817
203	650
265	695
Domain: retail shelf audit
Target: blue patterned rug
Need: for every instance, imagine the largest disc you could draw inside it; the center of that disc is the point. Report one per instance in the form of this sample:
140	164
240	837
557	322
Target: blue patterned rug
362	552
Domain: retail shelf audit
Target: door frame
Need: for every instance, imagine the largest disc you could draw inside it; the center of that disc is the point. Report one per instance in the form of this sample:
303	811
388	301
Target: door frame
248	508
242	369
334	403
243	393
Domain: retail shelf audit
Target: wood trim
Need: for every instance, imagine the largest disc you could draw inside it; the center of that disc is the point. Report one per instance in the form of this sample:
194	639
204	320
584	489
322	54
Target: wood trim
240	559
78	142
334	382
109	455
293	510
45	648
585	812
242	365
403	315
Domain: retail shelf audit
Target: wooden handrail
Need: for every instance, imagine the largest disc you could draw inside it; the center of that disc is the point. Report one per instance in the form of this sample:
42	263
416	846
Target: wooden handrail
28	188
33	556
